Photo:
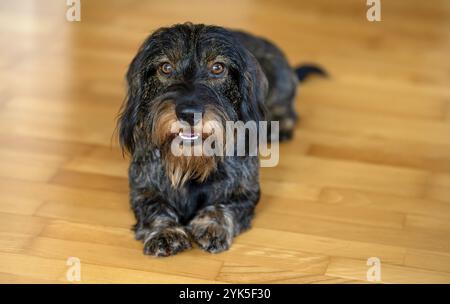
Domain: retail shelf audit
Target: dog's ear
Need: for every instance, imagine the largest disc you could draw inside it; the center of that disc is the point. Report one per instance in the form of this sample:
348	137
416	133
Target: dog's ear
254	87
129	114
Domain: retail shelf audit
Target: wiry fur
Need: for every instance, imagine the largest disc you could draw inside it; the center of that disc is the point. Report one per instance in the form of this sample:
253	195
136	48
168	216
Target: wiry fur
207	199
181	169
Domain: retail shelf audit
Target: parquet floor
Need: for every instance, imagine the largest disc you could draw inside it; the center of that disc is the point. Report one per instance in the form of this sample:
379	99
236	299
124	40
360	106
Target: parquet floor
367	174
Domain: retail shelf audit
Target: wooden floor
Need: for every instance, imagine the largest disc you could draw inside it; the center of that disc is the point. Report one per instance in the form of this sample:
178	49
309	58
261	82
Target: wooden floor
367	174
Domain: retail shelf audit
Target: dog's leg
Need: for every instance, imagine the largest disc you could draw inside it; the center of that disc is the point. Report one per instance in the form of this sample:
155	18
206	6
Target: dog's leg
287	117
215	226
158	227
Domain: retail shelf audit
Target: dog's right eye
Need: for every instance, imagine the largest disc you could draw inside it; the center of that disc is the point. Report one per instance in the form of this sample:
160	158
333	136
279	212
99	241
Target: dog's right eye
166	69
217	69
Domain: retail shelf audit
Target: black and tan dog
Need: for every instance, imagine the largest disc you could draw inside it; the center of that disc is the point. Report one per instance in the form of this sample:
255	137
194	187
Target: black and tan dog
225	76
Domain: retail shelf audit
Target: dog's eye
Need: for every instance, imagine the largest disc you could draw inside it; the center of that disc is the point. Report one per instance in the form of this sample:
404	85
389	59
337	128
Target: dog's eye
166	69
217	68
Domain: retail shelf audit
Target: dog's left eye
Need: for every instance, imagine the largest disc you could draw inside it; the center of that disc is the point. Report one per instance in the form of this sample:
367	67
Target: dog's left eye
217	69
166	69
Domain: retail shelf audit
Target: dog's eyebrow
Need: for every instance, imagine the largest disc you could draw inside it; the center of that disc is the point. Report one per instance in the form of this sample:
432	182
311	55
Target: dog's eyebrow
161	58
216	57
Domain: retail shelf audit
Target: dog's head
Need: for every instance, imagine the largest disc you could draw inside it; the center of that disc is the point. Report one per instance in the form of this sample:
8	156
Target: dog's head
188	73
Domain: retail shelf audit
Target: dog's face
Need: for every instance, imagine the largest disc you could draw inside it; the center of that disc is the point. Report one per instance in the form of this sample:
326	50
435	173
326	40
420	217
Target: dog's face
190	74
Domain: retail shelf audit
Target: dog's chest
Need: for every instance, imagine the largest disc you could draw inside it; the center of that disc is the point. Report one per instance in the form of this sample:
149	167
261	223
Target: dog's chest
189	199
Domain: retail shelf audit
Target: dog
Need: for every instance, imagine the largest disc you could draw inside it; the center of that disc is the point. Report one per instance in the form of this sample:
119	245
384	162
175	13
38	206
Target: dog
186	73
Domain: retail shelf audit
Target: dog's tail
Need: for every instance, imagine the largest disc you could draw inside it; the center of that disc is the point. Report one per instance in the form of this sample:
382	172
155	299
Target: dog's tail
306	70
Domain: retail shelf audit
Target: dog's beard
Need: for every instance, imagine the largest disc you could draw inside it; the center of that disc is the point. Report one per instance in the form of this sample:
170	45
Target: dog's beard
182	163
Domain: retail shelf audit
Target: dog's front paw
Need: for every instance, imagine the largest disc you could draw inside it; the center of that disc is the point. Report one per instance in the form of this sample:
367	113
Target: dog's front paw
211	234
166	241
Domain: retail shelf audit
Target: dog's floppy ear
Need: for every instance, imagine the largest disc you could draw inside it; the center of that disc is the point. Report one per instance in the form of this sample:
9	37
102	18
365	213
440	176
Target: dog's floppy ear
254	87
129	114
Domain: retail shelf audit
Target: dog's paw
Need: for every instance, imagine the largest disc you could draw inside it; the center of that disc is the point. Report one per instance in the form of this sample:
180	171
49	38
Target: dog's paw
166	241
211	235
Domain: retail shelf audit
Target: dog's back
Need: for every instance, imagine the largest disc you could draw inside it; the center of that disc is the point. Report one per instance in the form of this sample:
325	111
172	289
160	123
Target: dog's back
282	77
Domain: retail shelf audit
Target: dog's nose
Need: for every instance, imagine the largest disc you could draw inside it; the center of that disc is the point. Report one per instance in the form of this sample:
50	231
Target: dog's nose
191	114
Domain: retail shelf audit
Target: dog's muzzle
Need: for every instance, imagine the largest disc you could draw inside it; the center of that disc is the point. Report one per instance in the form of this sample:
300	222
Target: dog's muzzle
192	114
